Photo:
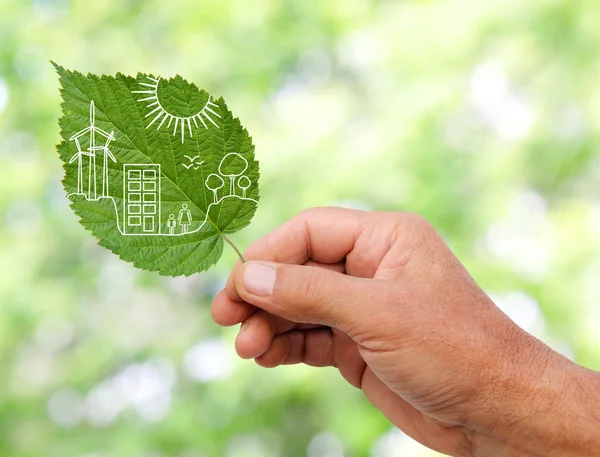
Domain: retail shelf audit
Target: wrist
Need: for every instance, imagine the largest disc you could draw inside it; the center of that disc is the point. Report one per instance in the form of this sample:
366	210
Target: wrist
545	406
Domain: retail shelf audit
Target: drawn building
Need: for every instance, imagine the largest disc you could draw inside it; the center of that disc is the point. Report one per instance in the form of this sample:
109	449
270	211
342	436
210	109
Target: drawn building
141	199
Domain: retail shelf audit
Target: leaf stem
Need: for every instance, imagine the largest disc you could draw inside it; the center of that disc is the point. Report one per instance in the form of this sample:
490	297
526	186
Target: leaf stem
235	248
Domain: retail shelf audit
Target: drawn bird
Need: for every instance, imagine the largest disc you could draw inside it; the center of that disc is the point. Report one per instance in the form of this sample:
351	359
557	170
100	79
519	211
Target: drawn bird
196	165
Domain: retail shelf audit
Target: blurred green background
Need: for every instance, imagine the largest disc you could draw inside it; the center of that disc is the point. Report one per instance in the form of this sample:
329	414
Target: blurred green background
483	116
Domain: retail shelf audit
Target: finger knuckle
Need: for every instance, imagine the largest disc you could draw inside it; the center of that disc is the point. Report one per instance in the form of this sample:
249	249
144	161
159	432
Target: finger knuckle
415	221
418	230
308	213
312	286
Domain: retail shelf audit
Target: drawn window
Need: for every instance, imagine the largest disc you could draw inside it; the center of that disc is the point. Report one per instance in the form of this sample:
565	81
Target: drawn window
149	186
135	174
135	209
149	174
134	198
149	209
134	186
149	198
134	221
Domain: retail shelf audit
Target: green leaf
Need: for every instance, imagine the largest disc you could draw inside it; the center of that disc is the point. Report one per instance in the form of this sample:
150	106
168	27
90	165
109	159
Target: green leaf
157	170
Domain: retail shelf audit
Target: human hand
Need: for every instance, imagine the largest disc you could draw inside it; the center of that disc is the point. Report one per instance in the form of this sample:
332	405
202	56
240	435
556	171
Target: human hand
382	298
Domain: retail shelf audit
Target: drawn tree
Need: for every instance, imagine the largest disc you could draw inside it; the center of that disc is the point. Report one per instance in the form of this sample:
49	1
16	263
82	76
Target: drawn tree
244	183
232	166
214	182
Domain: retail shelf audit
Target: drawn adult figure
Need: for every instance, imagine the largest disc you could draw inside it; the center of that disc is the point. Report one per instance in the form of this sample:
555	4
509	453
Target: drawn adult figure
185	218
171	223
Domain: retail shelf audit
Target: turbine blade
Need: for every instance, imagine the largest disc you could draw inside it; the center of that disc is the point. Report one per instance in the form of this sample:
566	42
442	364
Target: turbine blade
101	132
80	133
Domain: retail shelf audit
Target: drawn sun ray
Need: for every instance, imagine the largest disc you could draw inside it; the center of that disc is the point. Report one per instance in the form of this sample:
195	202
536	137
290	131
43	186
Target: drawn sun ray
203	123
153	103
161	122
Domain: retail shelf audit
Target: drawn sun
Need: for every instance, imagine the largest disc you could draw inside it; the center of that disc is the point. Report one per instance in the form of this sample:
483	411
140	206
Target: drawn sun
182	123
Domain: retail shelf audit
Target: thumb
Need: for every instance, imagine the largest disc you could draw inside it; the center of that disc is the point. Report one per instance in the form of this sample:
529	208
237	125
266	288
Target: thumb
308	294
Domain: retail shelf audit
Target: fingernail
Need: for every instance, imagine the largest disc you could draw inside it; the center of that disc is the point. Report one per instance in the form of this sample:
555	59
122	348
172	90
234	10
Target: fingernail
244	327
259	279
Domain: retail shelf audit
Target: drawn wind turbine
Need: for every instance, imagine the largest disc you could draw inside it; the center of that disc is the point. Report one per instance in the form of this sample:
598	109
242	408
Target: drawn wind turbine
79	158
107	154
92	130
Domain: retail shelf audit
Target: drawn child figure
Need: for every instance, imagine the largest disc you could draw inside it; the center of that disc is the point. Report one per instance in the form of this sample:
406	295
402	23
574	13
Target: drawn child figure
171	223
185	218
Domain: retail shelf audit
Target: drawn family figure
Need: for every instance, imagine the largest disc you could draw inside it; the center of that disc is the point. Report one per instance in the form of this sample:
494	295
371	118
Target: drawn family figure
171	223
184	218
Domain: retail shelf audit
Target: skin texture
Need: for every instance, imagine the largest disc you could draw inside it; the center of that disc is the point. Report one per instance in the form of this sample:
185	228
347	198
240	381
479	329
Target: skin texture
382	298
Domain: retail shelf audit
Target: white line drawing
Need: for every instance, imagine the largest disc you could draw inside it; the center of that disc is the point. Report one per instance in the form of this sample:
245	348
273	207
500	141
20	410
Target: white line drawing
171	223
79	158
197	229
141	214
193	162
214	182
141	199
182	122
184	218
232	166
107	155
244	183
91	153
